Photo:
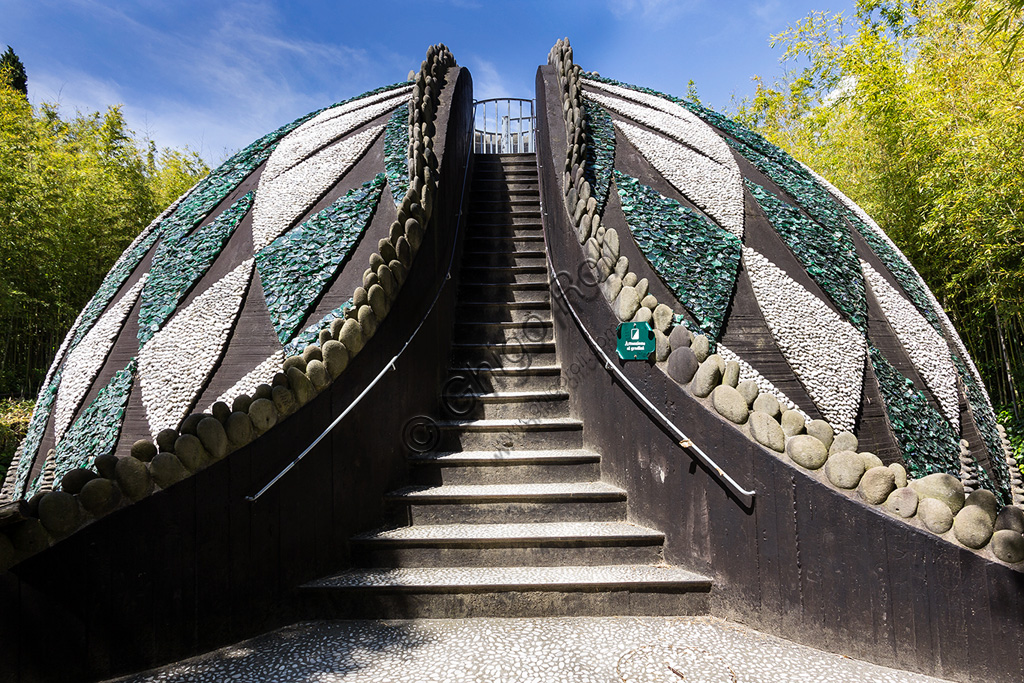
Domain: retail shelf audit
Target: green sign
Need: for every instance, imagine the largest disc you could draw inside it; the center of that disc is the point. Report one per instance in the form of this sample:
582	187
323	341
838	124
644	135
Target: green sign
636	341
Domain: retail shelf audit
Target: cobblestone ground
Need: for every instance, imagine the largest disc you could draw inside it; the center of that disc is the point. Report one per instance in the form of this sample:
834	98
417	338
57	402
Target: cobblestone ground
552	650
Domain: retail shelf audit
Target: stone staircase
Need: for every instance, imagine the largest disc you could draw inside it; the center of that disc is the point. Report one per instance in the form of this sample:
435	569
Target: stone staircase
507	515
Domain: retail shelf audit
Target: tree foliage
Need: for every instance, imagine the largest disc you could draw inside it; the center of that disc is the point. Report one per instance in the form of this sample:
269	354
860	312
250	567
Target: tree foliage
12	72
915	109
74	191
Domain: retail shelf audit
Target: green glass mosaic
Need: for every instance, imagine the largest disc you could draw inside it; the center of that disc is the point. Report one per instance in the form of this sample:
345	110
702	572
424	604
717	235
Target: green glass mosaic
925	437
830	258
179	265
697	259
396	153
96	431
312	332
998	480
34	433
298	266
600	153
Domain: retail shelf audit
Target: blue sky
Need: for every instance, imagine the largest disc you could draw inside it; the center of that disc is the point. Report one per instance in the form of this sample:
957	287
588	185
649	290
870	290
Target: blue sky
216	75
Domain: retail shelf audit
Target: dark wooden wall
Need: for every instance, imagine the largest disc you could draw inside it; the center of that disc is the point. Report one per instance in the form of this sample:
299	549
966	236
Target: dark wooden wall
807	562
197	567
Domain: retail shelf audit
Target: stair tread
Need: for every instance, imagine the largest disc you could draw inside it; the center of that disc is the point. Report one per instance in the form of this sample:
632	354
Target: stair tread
506	458
529	370
583	489
626	577
515	395
524	424
568	531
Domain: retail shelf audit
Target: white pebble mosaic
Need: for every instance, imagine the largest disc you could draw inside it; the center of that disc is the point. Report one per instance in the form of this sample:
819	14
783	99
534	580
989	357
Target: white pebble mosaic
85	361
825	352
282	200
175	364
261	374
925	348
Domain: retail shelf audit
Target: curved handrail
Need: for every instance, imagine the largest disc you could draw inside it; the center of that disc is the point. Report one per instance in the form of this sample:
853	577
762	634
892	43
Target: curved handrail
390	365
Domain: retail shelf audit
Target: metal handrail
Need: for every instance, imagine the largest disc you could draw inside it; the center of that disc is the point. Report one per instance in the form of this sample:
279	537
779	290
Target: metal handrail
510	134
391	365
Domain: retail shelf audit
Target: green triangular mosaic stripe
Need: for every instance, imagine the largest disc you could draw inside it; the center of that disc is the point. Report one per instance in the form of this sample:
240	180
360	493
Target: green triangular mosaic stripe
312	332
298	266
396	153
985	418
828	256
178	265
600	156
925	438
36	426
695	258
96	431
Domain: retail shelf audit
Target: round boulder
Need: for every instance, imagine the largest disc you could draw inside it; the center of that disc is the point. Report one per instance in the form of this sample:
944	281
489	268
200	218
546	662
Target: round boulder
165	440
300	386
701	347
730	404
335	357
1010	517
74	480
1008	546
709	376
943	487
627	303
767	432
191	455
316	371
310	353
899	471
239	428
221	410
986	500
749	389
973	526
59	513
822	431
731	375
106	465
844	469
870	460
680	337
99	496
876	485
351	336
792	423
843	441
935	514
263	414
133	478
662	317
284	400
769	405
682	364
902	502
167	470
807	451
213	437
145	450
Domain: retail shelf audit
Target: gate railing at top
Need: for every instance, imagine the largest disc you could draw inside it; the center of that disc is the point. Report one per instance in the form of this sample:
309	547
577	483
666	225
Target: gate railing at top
504	126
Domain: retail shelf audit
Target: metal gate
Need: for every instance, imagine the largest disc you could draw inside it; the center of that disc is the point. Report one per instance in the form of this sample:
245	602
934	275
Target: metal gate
504	126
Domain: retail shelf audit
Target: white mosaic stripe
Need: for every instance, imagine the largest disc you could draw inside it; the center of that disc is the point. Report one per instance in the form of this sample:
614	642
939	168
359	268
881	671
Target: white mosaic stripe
261	374
715	188
175	363
927	350
279	202
656	112
85	361
826	352
763	383
324	129
947	324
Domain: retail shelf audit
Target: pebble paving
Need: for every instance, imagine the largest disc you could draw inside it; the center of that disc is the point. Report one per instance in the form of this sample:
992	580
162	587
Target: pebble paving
550	650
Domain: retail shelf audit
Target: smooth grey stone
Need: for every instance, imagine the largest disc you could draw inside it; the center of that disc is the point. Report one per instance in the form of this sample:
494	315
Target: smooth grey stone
213	437
414	233
370	278
611	287
731	375
649	301
280	380
133	478
986	500
378	301
792	423
239	428
661	347
593	250
643	315
351	336
368	321
386	250
263	414
317	373
943	487
261	391
806	451
611	240
622	267
1010	517
106	465
99	497
821	430
708	376
322	337
144	450
627	303
629	280
294	362
375	261
902	502
749	389
662	317
583	230
399	271
679	337
876	485
404	252
682	364
1008	546
844	469
843	441
730	404
604	268
387	281
701	347
769	405
335	358
191	454
284	400
73	481
220	410
241	403
360	298
767	432
641	288
898	471
608	253
935	514
973	526
167	469
59	513
871	460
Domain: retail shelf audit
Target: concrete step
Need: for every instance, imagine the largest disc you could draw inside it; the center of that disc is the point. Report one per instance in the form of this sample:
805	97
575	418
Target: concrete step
524	257
504	193
509	545
502	405
486	231
511	503
483	292
510	434
515	312
489	333
463	592
530	378
517	217
512	467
